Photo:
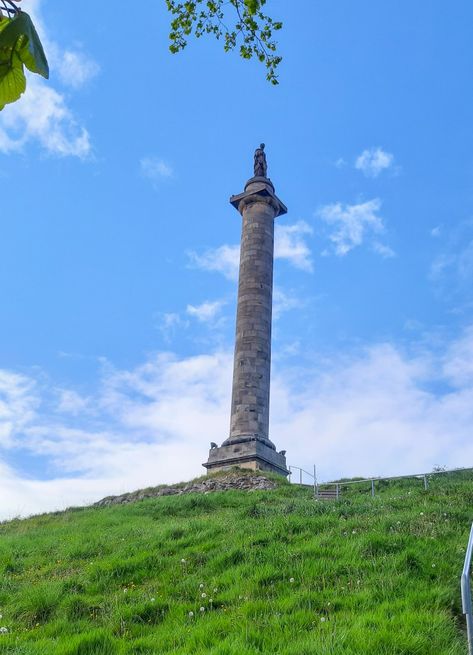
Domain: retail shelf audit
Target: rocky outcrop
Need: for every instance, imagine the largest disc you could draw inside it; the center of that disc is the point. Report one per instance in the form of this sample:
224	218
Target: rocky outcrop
237	482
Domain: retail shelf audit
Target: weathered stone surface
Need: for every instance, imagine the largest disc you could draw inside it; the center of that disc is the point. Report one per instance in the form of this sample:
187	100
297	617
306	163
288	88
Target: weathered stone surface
235	481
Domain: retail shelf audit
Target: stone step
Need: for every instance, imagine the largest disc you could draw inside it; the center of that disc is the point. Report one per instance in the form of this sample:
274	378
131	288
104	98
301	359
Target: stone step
327	494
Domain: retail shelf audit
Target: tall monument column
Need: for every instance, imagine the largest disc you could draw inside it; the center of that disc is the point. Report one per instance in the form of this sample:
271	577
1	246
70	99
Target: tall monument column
248	445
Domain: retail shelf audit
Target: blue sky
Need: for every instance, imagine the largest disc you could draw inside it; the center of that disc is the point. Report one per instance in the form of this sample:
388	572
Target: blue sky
119	249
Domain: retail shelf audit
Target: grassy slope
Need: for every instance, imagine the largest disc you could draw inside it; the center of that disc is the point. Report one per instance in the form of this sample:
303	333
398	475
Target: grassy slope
371	576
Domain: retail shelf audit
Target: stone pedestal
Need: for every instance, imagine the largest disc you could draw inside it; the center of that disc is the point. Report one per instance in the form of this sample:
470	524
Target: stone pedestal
249	445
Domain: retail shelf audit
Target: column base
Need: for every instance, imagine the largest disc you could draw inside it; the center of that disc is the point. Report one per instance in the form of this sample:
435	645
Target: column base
249	454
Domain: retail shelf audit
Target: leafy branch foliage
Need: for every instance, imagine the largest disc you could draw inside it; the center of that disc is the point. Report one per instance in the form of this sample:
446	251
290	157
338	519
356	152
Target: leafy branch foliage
20	46
249	29
241	23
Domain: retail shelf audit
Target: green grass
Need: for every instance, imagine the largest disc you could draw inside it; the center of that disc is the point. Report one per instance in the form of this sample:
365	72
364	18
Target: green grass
286	575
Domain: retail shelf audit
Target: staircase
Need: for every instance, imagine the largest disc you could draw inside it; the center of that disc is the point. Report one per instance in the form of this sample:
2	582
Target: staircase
328	494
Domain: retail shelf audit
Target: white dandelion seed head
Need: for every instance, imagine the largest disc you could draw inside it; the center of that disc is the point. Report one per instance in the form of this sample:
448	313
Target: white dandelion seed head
191	614
291	579
202	609
204	595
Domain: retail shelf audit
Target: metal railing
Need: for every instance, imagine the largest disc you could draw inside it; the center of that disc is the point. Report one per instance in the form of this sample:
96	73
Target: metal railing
341	483
466	593
312	476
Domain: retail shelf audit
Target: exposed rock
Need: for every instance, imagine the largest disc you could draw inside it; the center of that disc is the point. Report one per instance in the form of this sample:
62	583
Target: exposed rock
235	481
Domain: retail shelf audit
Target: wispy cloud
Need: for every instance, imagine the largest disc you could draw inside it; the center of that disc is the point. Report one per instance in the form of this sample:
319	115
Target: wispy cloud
71	402
284	301
350	225
155	169
389	410
451	270
169	323
373	161
76	68
43	115
18	403
382	249
290	244
224	259
206	312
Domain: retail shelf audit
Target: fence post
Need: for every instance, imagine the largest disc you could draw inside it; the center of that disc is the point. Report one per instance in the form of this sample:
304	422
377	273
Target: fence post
426	483
315	482
466	592
300	477
338	491
372	488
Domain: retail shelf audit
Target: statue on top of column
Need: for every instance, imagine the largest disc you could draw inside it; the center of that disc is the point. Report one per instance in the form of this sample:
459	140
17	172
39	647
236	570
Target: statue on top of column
261	165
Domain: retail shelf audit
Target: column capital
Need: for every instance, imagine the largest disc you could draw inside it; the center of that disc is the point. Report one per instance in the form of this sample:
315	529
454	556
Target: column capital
259	189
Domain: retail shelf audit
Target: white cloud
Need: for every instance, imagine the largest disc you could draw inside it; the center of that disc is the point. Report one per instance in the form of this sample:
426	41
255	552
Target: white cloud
71	402
377	411
451	270
352	224
373	161
284	302
18	403
436	231
458	361
76	68
155	169
169	323
206	312
42	114
383	250
289	244
224	260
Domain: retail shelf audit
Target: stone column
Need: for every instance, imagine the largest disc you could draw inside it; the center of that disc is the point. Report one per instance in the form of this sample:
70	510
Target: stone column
249	445
252	362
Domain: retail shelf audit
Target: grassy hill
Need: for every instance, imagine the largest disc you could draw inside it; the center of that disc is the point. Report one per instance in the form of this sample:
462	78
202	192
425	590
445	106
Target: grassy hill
242	573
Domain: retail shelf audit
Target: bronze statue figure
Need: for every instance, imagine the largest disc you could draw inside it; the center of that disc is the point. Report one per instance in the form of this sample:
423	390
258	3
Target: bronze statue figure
261	166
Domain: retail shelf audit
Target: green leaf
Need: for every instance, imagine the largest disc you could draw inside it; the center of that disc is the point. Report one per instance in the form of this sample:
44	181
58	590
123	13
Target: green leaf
252	6
20	36
19	46
12	82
